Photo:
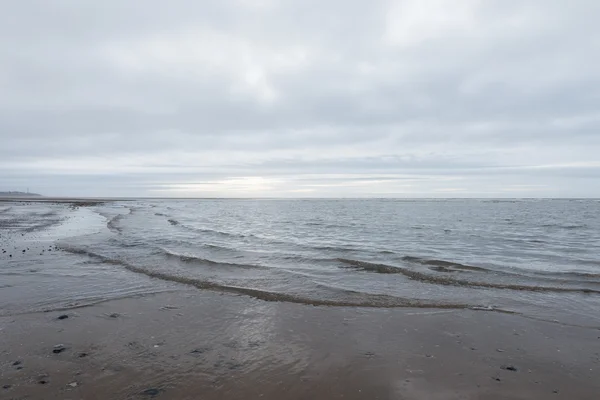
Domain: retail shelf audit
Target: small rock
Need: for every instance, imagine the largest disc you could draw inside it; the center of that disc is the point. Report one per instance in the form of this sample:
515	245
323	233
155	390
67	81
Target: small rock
497	379
500	350
6	387
42	381
64	316
151	392
18	362
114	315
509	368
555	391
59	348
82	355
73	384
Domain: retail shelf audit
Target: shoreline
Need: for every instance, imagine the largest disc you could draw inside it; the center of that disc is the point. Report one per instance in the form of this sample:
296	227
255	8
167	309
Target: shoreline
91	201
156	332
192	344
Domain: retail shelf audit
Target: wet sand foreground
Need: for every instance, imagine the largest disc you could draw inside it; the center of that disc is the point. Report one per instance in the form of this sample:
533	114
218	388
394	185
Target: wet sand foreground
190	344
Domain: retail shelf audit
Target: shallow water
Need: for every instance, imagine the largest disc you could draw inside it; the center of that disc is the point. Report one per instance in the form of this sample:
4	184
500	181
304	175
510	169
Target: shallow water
539	258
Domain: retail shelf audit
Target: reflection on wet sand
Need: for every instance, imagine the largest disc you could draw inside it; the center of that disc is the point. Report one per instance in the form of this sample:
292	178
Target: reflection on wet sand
189	344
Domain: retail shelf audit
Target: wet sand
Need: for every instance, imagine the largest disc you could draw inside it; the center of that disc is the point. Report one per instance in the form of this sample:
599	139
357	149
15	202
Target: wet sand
191	344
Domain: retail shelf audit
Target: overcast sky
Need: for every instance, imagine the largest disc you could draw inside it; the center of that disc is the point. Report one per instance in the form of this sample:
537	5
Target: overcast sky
297	98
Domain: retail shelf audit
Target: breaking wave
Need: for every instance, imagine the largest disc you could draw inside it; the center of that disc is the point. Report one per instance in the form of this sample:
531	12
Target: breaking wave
337	297
451	281
203	261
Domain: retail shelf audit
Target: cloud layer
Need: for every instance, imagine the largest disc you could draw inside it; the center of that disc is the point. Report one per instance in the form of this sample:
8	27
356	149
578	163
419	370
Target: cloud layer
301	98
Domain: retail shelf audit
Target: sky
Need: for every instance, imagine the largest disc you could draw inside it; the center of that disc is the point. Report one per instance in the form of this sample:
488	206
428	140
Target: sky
290	98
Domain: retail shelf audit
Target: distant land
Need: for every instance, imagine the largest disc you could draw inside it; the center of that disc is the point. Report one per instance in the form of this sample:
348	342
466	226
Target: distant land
19	194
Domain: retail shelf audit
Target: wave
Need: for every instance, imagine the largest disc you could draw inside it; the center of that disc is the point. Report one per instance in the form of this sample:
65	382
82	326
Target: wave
112	223
448	266
218	247
568	226
556	274
372	267
357	299
335	248
199	260
325	225
175	222
451	281
5	210
443	266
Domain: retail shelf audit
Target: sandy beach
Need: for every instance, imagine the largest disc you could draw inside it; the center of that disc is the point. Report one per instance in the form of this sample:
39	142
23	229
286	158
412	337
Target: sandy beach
188	344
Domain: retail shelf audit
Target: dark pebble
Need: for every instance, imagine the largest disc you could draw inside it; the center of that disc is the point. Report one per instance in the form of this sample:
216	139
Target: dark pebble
82	355
64	316
151	392
497	379
42	382
6	387
18	362
59	348
555	391
115	315
509	368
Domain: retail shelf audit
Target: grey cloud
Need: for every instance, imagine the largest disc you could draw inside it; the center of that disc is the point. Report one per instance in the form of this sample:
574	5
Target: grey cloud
143	94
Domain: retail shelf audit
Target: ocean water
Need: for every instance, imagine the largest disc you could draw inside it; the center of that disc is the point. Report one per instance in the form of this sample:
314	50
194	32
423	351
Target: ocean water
536	258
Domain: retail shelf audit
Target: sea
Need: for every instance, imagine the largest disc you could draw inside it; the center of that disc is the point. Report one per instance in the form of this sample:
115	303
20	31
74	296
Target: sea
539	258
